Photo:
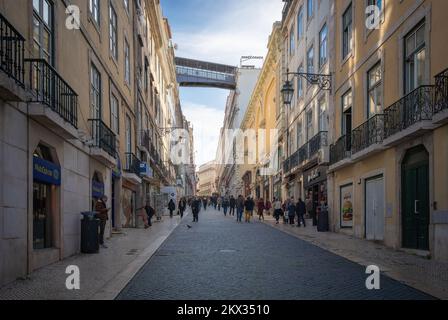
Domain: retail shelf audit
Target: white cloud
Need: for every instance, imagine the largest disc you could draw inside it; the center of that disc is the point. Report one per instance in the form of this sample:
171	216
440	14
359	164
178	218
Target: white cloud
207	123
243	30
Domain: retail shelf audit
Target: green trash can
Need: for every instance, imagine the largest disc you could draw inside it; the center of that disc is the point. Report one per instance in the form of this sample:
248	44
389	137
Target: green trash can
89	233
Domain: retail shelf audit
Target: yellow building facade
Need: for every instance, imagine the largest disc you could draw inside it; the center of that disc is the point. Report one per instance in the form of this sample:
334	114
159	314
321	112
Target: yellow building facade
388	178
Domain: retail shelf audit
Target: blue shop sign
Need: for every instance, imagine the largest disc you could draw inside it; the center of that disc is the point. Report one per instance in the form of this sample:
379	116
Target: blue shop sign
97	189
146	170
46	171
116	172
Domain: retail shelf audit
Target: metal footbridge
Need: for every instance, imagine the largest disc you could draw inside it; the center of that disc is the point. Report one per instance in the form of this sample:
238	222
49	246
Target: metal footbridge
195	73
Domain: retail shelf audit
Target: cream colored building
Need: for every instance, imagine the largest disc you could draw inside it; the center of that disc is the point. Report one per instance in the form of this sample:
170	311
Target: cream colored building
388	175
73	106
206	179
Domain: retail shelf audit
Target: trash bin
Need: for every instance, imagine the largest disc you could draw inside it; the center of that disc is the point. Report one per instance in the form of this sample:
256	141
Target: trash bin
322	220
89	233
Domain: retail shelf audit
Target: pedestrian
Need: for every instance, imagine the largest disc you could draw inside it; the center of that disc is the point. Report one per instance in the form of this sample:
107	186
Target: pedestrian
239	208
204	203
232	205
225	204
301	210
195	208
285	211
103	216
310	209
182	206
260	207
249	205
150	212
291	211
219	203
277	209
171	207
268	207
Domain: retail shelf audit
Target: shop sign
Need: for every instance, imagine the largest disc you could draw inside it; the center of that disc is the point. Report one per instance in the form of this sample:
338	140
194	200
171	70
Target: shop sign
146	170
116	172
314	176
46	172
346	206
97	189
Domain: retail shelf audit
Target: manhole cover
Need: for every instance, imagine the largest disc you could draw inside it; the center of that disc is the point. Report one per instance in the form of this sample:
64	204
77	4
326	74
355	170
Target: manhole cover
227	251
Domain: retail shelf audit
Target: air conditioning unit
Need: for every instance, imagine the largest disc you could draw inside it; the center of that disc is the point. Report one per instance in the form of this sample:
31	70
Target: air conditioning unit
324	155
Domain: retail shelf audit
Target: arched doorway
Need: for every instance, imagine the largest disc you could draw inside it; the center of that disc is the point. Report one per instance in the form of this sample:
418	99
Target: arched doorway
415	199
46	180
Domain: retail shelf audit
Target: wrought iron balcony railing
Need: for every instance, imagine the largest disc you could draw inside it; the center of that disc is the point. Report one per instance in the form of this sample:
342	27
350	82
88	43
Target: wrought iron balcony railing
48	87
303	153
103	137
340	150
132	164
367	134
414	107
12	52
317	142
286	166
441	94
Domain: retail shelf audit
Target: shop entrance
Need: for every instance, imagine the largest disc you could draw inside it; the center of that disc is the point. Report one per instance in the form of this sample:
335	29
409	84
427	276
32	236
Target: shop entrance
374	208
415	199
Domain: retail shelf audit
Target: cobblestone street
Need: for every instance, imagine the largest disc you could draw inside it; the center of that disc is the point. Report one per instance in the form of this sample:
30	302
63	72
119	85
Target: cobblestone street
220	259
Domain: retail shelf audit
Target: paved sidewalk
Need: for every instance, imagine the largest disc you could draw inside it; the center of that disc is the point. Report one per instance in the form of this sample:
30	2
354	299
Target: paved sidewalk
421	273
102	275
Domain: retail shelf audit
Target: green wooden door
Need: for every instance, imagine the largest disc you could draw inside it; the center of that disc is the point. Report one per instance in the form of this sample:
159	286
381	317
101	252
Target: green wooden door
415	199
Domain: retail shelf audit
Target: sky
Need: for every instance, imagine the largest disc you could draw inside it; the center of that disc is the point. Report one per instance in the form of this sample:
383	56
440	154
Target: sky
218	31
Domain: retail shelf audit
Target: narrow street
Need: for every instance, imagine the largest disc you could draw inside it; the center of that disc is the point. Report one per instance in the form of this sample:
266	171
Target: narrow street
220	259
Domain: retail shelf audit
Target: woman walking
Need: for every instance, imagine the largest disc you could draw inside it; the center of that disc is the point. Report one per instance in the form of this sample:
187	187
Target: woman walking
277	209
260	207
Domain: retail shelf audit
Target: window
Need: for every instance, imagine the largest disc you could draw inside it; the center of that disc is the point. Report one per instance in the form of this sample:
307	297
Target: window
113	32
374	87
309	125
94	9
43	30
128	135
291	42
300	24
114	114
415	56
323	114
299	135
127	63
310	9
347	102
323	45
146	75
300	83
347	36
310	60
95	93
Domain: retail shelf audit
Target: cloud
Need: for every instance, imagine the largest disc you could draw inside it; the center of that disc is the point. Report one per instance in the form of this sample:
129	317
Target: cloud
242	30
207	123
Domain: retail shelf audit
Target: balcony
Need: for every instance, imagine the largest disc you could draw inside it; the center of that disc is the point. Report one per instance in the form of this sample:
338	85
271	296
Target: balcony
12	51
367	138
317	143
53	102
104	143
410	116
441	98
340	151
132	169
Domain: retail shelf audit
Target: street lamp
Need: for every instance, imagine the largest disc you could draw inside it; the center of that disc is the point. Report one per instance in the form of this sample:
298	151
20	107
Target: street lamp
323	81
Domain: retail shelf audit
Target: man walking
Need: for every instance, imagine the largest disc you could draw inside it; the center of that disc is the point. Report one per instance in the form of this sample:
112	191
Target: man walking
102	215
182	207
260	207
225	204
232	205
291	211
171	207
249	205
239	208
196	206
301	210
277	209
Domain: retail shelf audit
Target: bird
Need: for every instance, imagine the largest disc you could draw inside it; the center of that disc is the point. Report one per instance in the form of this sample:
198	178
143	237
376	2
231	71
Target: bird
189	227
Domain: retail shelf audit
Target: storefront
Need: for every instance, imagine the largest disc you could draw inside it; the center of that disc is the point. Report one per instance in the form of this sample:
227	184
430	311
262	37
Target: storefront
116	176
315	187
46	181
128	200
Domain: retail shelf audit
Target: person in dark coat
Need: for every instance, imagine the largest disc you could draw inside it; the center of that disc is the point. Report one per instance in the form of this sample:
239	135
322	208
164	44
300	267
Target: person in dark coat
301	211
171	207
195	208
232	206
291	211
103	216
260	207
239	208
249	205
182	206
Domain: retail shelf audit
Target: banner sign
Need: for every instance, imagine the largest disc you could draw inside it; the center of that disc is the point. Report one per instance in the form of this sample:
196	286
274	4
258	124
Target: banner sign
146	170
346	203
97	189
46	172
